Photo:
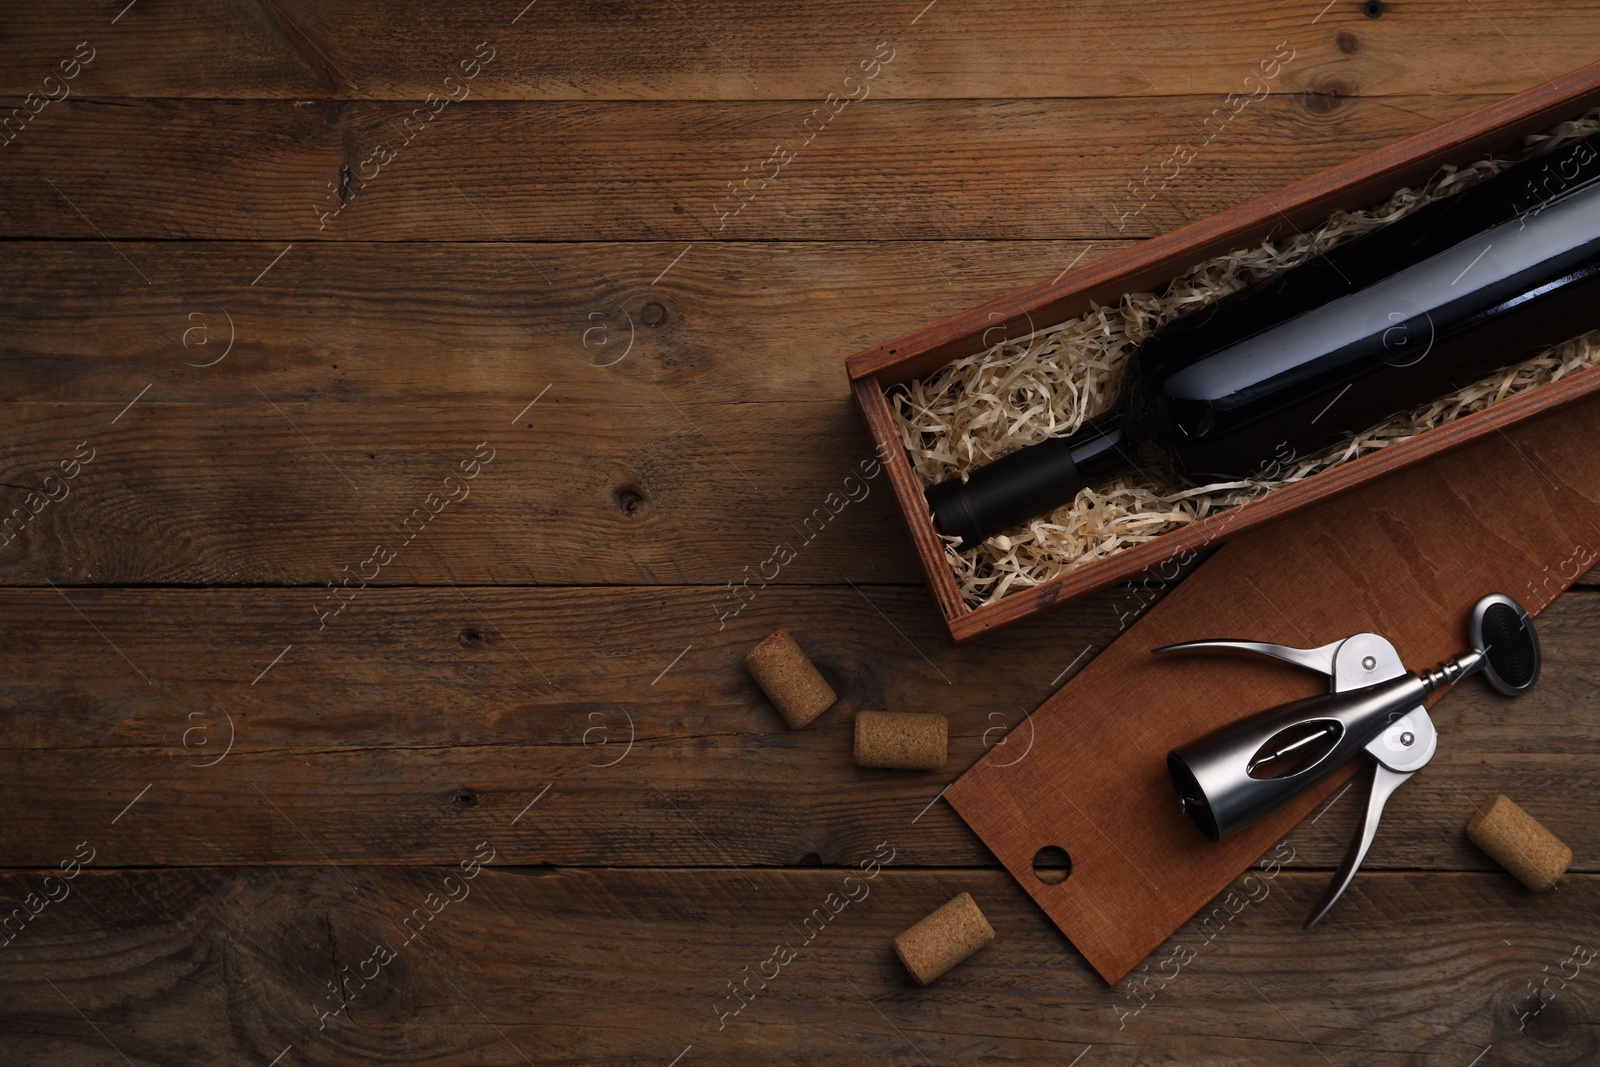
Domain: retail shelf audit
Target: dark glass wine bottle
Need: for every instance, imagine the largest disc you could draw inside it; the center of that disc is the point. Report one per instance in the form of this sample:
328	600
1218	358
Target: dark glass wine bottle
1288	365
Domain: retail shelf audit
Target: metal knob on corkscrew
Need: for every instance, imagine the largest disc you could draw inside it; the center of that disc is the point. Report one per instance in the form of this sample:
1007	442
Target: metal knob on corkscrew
1249	768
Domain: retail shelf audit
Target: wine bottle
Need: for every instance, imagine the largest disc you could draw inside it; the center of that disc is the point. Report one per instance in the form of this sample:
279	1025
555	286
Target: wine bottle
1290	364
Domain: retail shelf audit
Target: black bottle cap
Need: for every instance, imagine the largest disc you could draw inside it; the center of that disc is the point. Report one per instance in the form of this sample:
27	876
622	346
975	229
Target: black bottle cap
1030	481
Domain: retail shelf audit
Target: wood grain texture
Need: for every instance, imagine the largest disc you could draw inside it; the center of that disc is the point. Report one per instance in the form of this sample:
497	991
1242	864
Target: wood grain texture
536	966
338	342
481	323
578	189
420	714
881	170
1361	182
698	50
285	492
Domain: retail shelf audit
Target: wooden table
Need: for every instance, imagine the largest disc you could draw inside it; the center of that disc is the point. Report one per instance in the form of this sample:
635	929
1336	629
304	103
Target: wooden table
394	396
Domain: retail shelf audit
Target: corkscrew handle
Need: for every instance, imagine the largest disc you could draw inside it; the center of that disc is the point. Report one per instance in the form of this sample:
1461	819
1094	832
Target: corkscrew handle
1249	768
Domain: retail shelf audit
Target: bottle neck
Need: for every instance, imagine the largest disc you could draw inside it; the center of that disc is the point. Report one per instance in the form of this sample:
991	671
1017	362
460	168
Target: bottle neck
1102	449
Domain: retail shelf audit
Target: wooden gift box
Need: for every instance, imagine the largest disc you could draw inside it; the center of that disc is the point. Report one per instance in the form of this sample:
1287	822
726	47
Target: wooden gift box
1302	205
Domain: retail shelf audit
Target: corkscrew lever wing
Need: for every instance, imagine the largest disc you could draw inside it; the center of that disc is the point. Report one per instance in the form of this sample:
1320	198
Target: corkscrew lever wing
1403	748
1320	660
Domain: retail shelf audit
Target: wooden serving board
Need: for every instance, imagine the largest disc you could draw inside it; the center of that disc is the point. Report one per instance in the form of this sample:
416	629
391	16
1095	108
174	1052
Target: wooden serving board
1516	512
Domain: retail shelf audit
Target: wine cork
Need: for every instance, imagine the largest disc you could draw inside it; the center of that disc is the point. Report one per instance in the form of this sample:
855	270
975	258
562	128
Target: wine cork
789	679
901	740
1516	841
943	939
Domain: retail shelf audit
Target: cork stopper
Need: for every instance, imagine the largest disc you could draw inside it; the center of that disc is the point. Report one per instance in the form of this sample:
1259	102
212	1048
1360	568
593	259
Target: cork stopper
943	939
1516	841
901	740
788	678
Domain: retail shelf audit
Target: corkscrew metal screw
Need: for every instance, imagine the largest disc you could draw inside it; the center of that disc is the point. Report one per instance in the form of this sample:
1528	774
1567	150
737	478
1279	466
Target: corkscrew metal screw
1246	769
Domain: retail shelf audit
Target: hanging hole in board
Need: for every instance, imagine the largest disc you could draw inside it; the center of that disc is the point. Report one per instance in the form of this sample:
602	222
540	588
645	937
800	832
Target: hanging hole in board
1051	865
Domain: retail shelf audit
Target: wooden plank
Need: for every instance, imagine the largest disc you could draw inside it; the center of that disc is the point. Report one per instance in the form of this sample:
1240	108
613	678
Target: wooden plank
424	693
355	322
419	714
281	491
907	494
1370	178
624	966
888	170
714	50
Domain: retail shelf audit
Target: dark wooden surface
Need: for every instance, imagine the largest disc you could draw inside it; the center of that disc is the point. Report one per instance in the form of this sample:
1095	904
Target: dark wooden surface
252	799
